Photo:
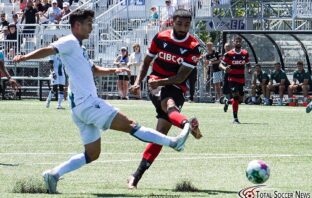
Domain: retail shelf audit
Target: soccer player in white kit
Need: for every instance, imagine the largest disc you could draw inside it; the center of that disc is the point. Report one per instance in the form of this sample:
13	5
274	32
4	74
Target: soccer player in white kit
90	113
58	80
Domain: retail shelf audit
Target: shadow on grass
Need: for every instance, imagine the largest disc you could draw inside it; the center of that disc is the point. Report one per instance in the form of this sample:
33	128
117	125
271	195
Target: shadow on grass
115	195
4	164
254	123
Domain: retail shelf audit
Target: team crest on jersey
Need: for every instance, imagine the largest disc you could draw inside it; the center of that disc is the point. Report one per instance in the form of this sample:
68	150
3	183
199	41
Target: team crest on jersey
183	50
165	44
195	59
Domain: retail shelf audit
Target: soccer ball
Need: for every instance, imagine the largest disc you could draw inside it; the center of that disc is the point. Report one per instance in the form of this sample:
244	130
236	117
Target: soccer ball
257	172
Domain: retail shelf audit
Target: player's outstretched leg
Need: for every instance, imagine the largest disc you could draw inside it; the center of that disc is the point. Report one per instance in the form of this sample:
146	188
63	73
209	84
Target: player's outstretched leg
122	123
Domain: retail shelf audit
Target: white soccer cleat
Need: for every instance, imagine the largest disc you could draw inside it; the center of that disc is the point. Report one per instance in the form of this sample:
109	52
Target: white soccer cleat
60	108
309	107
182	137
50	181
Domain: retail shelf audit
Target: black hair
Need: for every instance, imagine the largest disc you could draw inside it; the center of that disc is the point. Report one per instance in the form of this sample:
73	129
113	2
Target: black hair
300	63
277	63
80	15
257	65
182	13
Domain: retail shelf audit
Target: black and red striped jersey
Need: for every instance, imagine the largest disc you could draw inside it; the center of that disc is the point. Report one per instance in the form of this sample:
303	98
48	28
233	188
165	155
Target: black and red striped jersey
171	53
237	62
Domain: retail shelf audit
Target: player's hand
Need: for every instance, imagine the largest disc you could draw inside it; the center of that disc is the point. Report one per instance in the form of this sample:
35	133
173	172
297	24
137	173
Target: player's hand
227	69
120	70
153	84
19	58
14	84
134	89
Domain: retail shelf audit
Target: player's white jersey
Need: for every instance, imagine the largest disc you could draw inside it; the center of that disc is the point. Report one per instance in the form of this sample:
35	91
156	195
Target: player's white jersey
78	67
58	75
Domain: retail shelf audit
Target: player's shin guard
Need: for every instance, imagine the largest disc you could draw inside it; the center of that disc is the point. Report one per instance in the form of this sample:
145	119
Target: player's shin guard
150	135
176	118
235	107
72	164
60	99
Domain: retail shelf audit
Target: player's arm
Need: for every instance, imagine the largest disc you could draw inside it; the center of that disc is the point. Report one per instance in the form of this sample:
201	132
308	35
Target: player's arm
37	54
181	76
4	71
143	70
102	71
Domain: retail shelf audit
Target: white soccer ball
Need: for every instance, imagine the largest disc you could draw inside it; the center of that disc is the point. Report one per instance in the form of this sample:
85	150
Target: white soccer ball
258	172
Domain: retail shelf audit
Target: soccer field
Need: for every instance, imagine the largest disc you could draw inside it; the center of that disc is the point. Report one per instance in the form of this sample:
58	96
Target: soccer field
34	139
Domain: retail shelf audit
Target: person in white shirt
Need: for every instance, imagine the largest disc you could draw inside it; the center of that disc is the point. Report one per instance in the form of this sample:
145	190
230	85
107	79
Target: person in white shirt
167	15
58	80
135	61
54	13
90	113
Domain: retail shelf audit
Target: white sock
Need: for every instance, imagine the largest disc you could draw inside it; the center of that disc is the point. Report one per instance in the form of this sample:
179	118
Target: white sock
72	164
253	99
49	96
60	99
151	135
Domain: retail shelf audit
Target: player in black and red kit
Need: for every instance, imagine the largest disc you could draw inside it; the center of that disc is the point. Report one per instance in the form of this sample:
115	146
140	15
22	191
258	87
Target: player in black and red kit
176	53
233	63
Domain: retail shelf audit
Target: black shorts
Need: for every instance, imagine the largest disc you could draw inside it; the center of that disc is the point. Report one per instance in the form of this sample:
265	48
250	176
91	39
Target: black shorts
236	87
123	77
226	89
165	92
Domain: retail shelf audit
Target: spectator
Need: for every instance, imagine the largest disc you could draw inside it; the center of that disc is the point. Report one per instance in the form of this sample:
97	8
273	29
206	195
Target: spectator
167	15
12	35
38	6
121	61
135	61
31	16
154	16
60	4
261	86
281	83
46	6
66	9
5	32
226	89
4	22
23	5
213	60
54	13
15	19
4	72
301	82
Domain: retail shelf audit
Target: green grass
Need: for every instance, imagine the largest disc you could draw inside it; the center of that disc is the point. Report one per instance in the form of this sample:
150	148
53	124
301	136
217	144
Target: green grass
34	139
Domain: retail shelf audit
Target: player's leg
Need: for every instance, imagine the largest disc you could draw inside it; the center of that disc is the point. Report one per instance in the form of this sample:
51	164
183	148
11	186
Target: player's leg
281	94
265	91
60	96
90	136
291	89
149	155
122	123
305	91
253	93
235	104
51	93
125	87
119	86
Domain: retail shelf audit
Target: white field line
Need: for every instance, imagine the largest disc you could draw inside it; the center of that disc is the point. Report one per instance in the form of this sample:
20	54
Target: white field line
175	153
176	158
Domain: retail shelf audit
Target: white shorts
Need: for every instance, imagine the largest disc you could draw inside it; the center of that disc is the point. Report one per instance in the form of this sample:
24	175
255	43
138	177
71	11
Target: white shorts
217	77
59	80
91	116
